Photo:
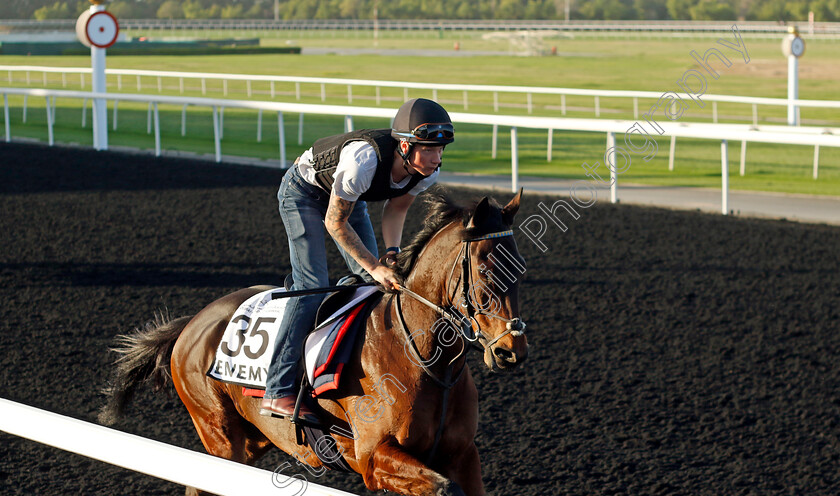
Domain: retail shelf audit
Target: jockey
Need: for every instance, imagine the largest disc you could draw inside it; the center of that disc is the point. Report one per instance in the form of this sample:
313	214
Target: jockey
329	186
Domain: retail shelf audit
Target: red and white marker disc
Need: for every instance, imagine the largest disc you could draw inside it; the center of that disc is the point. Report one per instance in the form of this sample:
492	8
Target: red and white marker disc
99	29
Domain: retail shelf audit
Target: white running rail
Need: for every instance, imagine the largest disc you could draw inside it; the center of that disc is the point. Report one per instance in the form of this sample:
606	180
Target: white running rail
528	91
164	461
724	133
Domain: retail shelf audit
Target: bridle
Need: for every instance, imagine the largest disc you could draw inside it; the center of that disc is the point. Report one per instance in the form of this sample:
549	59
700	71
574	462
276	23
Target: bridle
515	326
465	324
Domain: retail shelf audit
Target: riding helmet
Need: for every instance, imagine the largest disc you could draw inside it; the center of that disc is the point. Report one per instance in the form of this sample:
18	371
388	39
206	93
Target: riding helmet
423	121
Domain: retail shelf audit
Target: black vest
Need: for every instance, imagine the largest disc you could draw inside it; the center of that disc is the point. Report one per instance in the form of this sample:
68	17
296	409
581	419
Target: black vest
326	152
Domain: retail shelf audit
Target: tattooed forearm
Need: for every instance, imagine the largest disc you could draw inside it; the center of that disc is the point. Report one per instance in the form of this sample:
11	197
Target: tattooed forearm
336	223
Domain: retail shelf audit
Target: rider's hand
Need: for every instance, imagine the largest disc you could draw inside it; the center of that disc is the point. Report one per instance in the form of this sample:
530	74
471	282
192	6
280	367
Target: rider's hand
386	277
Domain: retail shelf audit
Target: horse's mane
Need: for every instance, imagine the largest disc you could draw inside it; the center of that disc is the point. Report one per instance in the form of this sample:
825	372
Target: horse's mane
441	210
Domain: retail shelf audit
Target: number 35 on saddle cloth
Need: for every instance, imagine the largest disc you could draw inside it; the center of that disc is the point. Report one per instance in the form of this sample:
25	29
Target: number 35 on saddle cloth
244	353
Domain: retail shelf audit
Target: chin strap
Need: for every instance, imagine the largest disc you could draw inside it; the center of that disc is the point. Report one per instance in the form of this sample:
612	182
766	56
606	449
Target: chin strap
407	170
404	156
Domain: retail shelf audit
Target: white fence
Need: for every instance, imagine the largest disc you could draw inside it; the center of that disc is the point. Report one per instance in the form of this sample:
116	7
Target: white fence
526	91
692	27
178	465
724	133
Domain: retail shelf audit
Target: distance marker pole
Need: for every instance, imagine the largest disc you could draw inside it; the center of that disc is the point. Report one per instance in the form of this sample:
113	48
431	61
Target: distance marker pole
100	109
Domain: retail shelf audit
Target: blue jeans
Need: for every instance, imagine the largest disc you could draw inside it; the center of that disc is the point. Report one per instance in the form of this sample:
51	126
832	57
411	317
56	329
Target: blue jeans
303	208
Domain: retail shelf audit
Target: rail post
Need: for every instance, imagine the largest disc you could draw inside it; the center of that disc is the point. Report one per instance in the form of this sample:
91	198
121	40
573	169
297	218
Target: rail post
724	173
613	172
281	130
6	118
514	160
157	131
816	160
222	122
184	120
494	146
217	142
550	144
300	128
148	119
50	137
743	157
672	152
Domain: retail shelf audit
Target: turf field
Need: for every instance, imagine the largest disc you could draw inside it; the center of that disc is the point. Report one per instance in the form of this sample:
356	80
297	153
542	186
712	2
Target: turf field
582	62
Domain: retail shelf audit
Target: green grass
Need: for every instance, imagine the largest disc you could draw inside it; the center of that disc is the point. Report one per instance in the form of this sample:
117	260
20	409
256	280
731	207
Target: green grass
646	64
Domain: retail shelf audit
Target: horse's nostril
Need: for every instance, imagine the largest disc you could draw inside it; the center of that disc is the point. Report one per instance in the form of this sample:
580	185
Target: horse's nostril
505	355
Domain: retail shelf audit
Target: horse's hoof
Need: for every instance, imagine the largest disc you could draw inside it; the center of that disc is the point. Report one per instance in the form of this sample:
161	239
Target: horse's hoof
451	489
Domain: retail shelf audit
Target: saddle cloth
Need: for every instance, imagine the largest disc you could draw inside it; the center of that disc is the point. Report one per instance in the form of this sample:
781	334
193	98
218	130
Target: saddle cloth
244	353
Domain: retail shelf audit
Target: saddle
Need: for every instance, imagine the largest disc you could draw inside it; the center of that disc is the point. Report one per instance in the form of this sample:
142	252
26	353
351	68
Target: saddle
335	302
244	352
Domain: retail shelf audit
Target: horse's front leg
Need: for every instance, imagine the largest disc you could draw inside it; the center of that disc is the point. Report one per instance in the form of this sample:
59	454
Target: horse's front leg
391	468
464	468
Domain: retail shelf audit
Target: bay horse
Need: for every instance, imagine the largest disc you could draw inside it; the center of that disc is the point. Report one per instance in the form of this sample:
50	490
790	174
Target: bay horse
408	398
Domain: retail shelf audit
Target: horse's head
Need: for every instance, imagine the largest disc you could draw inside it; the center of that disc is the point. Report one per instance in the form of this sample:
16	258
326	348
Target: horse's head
491	270
467	260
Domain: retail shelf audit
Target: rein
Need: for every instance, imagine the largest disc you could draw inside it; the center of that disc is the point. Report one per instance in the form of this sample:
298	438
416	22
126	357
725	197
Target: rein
515	327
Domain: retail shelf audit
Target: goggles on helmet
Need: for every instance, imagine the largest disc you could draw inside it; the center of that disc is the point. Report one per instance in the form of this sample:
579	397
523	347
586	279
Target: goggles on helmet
431	132
434	131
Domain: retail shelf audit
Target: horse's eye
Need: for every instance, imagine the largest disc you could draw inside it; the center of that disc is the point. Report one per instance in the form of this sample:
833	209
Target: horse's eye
485	272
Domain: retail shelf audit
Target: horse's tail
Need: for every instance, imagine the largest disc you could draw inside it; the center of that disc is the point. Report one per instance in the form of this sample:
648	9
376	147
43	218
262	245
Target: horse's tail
144	357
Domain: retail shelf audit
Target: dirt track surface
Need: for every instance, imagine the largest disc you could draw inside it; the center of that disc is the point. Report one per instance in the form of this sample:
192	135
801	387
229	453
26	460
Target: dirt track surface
671	352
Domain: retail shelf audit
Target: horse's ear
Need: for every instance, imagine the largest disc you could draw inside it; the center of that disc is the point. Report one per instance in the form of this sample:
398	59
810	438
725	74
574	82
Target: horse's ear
479	216
511	208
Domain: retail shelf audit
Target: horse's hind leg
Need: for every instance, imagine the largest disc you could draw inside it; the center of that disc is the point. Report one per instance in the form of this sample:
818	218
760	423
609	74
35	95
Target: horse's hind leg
222	430
231	441
224	433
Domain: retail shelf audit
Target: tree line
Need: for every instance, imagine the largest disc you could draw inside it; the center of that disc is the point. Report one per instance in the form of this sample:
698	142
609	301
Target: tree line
762	10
